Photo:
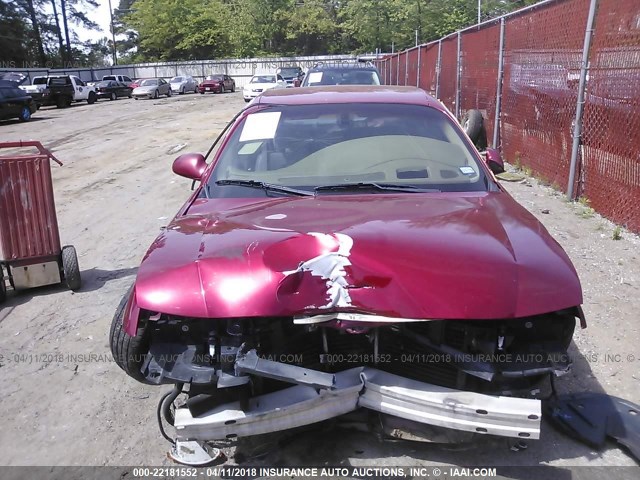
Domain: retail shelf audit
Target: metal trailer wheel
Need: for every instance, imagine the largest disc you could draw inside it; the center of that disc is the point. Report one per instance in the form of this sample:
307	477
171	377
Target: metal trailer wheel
70	268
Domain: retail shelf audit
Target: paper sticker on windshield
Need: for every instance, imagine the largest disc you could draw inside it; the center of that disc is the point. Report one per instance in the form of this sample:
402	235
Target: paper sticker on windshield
315	77
466	170
260	126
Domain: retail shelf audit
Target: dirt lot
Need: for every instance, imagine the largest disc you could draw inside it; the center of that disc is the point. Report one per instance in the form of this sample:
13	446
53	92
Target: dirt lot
115	191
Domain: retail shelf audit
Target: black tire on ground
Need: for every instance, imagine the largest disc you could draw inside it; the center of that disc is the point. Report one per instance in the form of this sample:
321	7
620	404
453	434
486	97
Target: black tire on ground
222	89
481	139
70	268
195	90
247	100
169	92
3	287
91	99
25	114
182	91
202	93
128	352
62	102
113	96
233	88
156	94
130	94
472	124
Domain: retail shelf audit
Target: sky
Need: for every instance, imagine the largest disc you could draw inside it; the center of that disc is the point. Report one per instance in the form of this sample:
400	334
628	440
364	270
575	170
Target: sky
101	16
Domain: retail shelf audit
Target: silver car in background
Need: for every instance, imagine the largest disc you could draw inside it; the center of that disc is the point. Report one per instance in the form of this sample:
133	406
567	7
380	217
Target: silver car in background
152	88
183	84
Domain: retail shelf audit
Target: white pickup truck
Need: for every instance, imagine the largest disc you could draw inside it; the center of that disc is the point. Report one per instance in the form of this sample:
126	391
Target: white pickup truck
48	91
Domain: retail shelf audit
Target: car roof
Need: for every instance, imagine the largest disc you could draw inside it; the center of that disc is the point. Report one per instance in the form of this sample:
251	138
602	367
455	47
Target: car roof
348	94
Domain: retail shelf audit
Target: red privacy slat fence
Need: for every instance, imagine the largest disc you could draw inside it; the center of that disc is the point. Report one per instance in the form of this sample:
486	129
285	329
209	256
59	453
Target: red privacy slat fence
543	47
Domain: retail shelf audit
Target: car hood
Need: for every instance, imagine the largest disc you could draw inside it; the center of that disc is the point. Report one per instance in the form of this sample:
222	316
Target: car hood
434	256
259	85
145	89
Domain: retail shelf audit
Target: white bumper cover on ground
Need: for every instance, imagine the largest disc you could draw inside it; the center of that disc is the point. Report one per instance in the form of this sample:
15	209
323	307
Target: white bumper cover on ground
369	388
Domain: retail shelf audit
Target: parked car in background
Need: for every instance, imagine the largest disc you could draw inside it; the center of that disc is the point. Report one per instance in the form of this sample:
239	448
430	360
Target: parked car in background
347	248
136	83
112	90
14	102
183	84
342	73
116	78
152	88
68	88
291	75
262	83
218	83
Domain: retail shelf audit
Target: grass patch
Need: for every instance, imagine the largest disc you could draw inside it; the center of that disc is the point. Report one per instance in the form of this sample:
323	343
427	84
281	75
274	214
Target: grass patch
617	233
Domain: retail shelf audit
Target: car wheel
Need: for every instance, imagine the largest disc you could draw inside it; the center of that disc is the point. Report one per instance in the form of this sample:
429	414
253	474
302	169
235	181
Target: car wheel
91	99
113	96
221	89
195	90
247	100
156	94
202	92
169	93
70	268
472	124
130	94
61	102
128	352
182	91
233	88
25	114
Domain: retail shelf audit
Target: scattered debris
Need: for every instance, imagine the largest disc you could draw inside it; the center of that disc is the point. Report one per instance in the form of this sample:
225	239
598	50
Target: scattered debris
510	177
176	148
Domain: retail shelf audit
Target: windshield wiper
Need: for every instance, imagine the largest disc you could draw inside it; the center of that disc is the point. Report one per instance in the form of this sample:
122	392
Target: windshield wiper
268	187
392	187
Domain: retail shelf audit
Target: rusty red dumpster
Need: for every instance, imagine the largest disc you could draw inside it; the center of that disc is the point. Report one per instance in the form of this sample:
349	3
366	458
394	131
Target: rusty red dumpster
30	251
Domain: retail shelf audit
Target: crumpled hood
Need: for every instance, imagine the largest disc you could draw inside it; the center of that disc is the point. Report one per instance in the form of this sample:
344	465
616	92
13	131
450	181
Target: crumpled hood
436	256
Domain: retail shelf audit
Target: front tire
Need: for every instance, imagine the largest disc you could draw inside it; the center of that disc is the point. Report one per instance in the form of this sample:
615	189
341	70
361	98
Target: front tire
233	88
128	352
91	99
169	93
70	268
182	91
156	94
3	287
25	114
113	96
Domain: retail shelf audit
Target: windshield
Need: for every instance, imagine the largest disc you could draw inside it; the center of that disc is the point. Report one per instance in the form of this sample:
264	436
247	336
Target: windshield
177	79
149	83
342	76
263	79
289	72
310	146
215	78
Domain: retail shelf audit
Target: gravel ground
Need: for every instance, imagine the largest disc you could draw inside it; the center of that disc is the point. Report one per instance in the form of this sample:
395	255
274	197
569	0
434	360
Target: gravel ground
115	191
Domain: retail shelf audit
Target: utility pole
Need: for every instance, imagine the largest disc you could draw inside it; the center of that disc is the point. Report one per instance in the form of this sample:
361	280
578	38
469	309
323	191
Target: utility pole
479	10
113	36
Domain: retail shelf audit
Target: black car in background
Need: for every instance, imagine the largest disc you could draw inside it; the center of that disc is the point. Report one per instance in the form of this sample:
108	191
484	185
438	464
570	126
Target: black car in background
112	90
342	73
290	75
15	103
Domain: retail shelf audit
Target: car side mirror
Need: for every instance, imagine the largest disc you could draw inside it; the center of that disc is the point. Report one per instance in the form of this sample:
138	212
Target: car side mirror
190	165
494	161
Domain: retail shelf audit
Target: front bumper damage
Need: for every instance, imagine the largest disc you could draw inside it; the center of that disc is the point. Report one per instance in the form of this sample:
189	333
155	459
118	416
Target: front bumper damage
318	396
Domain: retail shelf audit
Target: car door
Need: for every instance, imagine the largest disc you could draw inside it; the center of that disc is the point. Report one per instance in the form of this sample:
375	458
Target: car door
7	107
163	87
123	90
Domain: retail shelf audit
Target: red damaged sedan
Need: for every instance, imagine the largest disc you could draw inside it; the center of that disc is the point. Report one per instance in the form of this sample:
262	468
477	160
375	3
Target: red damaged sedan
347	248
217	84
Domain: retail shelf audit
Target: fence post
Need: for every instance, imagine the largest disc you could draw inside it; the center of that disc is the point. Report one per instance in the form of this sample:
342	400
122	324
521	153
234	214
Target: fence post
398	69
438	68
496	120
458	76
406	67
418	67
577	123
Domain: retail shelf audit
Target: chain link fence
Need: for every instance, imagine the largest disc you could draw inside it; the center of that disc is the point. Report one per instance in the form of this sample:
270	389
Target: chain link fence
584	141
